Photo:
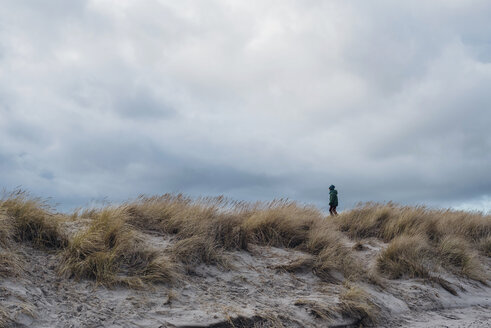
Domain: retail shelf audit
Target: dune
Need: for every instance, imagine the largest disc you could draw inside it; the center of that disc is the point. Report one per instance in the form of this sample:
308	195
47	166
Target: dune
173	261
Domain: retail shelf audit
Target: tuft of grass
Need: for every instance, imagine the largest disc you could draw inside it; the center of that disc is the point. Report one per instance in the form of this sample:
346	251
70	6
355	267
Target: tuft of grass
10	264
456	255
207	227
484	246
365	221
406	256
186	218
316	309
303	264
357	304
337	259
6	230
110	252
5	320
197	249
389	221
332	254
281	223
32	220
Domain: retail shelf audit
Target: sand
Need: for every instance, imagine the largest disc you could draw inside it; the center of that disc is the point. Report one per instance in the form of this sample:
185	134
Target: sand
253	288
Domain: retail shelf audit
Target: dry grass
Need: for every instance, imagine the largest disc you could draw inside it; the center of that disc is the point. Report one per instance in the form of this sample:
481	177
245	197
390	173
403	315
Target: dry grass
316	309
281	223
332	254
356	303
10	264
206	227
304	264
6	230
5	320
197	249
111	252
415	257
409	256
186	218
421	239
484	246
388	221
455	254
32	220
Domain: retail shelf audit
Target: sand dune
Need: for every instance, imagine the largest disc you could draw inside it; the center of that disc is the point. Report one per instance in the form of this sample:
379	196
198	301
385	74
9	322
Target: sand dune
257	284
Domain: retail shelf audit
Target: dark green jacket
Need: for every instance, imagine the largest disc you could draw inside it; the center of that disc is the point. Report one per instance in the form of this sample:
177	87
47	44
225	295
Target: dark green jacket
333	198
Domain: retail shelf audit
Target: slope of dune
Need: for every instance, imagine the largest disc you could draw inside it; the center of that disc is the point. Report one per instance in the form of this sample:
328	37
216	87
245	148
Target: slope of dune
171	261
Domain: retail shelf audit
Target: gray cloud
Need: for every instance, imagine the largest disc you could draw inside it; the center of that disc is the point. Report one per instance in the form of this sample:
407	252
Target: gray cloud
251	99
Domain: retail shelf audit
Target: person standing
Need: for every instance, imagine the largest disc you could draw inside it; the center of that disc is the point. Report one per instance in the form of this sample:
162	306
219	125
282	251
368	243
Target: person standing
333	200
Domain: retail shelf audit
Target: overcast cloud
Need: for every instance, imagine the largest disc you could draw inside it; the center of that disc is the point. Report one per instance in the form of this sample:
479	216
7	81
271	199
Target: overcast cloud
253	99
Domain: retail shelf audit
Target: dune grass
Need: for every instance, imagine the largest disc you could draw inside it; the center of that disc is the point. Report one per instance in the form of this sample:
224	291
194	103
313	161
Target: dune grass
388	221
356	303
111	252
32	220
406	256
421	239
5	320
456	255
25	219
281	223
332	253
485	246
207	227
414	256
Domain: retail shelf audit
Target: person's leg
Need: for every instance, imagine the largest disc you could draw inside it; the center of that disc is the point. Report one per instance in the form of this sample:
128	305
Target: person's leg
334	210
331	209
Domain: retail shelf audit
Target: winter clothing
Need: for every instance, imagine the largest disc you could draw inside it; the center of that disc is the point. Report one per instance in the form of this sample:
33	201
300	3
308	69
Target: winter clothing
333	200
333	197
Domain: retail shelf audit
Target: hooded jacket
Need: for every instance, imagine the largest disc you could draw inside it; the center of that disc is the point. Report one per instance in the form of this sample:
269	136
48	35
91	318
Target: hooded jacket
333	197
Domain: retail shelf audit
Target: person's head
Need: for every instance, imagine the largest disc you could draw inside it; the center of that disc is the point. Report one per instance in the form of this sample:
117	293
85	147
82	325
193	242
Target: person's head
331	187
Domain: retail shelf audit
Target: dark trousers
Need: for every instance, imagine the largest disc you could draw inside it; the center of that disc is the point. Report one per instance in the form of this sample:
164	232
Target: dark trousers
332	210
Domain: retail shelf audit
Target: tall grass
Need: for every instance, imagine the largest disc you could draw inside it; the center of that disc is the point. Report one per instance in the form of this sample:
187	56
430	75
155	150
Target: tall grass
331	253
388	221
6	230
206	227
422	239
25	219
406	255
414	256
357	303
281	223
32	220
111	252
456	254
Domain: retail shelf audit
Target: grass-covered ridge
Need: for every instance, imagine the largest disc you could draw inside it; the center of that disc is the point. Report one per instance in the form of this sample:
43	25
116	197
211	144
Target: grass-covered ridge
112	245
111	248
422	240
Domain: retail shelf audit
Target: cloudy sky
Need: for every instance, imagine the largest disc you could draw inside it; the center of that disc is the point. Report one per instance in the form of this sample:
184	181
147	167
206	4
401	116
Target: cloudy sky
253	99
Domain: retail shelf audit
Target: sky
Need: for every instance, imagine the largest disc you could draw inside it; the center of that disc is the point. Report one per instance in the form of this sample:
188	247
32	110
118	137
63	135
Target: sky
103	100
